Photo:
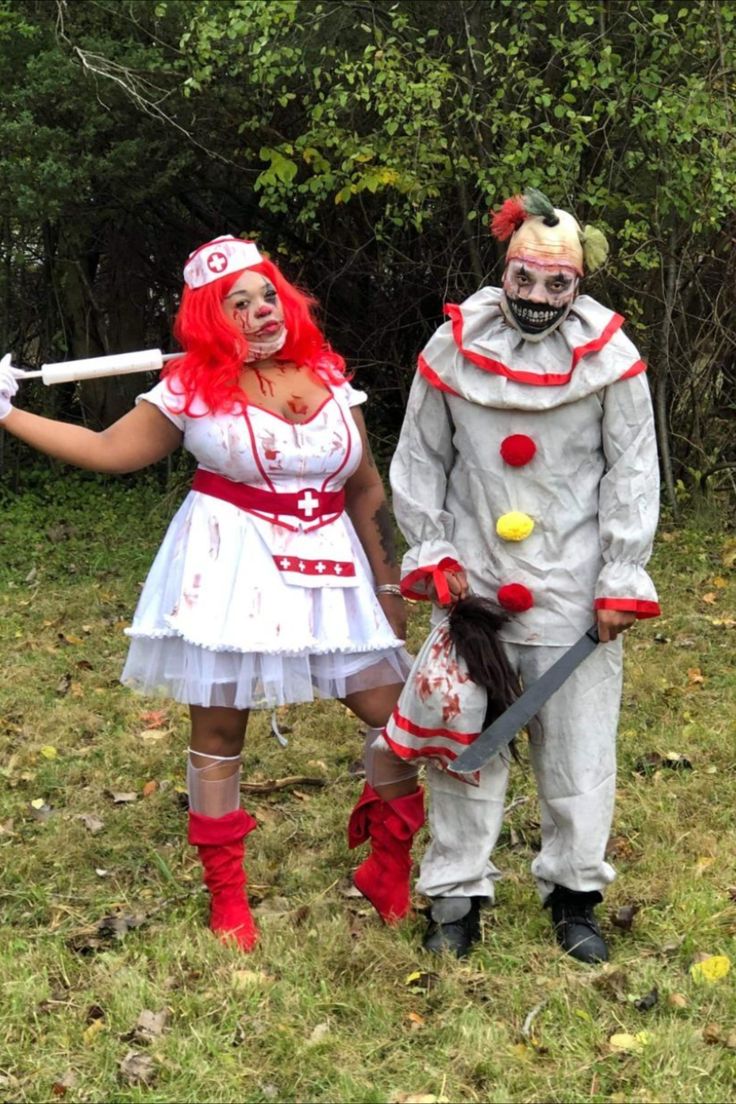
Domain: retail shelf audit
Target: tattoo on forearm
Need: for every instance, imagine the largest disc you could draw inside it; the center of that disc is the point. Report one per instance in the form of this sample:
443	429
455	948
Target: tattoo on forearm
384	525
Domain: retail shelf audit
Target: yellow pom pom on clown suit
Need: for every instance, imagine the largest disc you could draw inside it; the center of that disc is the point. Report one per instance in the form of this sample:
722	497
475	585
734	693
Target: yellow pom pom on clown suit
514	526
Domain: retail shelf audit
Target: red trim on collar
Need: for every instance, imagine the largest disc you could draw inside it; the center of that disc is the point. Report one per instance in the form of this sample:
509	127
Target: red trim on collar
546	379
634	370
432	378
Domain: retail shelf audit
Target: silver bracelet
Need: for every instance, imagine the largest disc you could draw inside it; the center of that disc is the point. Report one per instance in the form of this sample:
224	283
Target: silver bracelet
389	588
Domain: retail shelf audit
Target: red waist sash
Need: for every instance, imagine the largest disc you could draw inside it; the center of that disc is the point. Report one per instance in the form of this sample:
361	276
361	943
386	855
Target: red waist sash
308	505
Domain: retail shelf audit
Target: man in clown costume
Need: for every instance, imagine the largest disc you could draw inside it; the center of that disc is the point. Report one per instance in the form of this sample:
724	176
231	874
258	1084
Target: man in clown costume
526	472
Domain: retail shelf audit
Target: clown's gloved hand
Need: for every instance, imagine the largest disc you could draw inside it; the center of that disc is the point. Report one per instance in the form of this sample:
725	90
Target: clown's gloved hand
8	386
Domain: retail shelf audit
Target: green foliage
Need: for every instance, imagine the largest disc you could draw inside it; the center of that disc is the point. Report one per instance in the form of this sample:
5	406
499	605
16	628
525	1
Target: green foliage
362	145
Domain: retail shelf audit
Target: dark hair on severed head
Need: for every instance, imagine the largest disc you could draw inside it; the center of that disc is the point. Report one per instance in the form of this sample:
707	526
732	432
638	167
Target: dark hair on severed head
473	624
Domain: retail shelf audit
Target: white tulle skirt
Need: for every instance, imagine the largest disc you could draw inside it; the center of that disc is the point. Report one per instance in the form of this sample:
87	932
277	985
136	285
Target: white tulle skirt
217	625
199	676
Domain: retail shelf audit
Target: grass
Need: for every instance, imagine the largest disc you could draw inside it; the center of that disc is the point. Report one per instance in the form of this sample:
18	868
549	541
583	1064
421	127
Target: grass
332	1006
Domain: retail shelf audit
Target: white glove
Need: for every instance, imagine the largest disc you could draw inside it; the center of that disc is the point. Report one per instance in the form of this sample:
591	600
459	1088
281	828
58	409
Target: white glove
8	386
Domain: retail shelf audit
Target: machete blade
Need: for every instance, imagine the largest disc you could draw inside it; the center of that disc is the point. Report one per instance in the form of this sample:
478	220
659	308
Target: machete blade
502	731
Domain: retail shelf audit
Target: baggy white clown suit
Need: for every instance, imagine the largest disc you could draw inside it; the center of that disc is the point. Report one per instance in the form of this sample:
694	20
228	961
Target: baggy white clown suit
532	466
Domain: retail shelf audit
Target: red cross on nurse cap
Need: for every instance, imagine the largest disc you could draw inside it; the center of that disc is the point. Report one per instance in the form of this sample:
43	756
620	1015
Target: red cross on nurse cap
219	257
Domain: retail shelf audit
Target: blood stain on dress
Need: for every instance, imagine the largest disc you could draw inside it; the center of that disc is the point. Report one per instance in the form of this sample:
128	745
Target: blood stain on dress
214	537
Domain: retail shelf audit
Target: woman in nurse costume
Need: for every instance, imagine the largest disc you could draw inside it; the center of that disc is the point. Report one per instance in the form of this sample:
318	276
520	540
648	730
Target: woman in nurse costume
276	581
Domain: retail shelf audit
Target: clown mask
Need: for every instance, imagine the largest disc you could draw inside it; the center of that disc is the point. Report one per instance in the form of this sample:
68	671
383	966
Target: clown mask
537	297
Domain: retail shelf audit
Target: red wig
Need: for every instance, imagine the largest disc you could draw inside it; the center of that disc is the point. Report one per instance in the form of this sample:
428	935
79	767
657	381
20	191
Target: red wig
215	352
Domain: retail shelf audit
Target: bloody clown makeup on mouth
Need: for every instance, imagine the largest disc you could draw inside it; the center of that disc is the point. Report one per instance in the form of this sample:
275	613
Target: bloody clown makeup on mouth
253	305
537	297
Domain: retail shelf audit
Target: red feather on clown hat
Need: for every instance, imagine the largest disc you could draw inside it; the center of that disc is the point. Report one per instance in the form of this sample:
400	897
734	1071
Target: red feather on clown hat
509	217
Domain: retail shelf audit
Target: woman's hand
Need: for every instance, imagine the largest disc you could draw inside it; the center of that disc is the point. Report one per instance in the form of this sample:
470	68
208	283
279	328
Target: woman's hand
8	386
612	622
457	584
394	608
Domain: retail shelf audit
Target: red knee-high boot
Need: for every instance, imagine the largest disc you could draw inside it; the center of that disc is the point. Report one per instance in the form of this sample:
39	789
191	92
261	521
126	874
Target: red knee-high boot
220	842
391	826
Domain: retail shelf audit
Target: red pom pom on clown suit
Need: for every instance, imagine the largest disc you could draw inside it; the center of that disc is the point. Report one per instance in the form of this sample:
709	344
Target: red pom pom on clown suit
517	450
515	597
507	220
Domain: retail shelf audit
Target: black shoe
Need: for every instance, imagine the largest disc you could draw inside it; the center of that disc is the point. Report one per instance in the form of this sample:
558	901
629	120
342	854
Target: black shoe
575	925
454	925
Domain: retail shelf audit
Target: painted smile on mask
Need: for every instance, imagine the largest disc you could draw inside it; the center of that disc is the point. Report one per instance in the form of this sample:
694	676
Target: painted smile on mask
534	317
537	297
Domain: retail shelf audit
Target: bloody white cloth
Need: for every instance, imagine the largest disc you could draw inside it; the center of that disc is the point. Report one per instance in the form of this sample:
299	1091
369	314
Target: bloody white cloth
240	610
440	710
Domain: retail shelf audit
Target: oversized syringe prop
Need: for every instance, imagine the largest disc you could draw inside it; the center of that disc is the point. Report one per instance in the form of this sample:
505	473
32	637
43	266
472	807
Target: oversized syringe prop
120	364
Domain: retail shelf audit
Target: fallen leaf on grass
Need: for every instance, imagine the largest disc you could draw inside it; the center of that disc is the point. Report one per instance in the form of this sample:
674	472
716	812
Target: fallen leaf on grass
154	718
39	809
677	1000
415	1020
62	686
624	1043
138	1069
421	981
64	1083
122	798
320	1032
709	598
711	969
49	752
273	906
623	917
90	1033
92	823
149	1027
105	932
652	761
704	863
695	675
643	1004
728	555
150	788
712	1034
612	981
620	847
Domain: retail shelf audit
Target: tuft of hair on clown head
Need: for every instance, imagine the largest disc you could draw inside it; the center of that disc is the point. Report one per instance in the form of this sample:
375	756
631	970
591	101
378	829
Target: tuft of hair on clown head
538	231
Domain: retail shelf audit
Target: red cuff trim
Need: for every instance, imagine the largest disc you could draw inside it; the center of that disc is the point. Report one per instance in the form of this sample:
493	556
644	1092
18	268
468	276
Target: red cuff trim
432	573
629	605
547	379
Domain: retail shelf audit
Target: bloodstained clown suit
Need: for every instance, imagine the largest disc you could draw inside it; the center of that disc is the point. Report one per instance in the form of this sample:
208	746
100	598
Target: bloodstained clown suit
527	471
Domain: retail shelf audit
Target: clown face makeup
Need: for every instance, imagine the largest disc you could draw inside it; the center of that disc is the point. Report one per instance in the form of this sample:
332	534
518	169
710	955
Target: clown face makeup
254	307
536	297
